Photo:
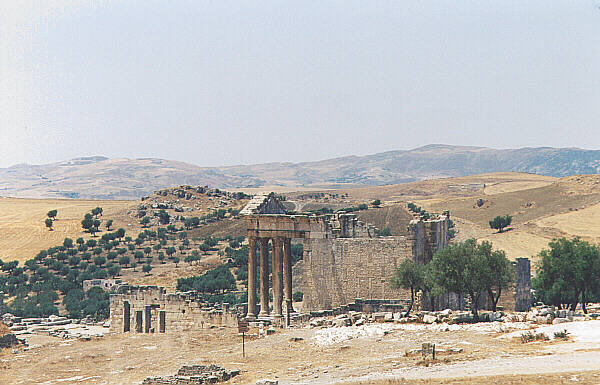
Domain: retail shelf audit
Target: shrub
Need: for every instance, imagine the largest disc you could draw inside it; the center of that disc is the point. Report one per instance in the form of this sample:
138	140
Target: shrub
298	296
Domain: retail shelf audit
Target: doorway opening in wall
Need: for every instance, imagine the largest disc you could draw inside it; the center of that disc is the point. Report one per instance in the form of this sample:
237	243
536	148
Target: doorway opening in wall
148	319
162	321
138	321
126	316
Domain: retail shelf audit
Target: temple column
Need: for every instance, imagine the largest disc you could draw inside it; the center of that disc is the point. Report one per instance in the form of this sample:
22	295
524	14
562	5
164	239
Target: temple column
277	276
252	278
287	275
264	277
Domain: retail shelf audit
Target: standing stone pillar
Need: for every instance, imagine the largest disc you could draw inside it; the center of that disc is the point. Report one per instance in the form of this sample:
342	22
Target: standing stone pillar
264	277
287	276
277	276
252	278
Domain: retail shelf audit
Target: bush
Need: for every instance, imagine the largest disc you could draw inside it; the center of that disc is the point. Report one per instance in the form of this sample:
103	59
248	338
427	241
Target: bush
298	296
562	335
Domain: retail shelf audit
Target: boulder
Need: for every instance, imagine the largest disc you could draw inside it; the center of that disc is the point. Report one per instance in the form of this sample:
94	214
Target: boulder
267	382
557	321
389	317
495	316
342	322
429	319
359	322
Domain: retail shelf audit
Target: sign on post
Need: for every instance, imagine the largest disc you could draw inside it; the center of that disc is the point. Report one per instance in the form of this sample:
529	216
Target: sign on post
243	329
428	350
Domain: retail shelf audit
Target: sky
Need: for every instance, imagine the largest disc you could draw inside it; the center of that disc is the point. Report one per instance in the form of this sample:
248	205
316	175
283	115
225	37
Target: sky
239	82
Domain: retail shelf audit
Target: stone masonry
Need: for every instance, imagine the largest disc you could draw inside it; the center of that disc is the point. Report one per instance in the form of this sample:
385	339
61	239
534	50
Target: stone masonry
149	309
343	258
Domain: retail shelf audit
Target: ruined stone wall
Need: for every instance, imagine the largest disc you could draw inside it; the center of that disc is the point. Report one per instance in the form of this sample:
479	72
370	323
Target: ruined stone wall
152	310
337	271
342	265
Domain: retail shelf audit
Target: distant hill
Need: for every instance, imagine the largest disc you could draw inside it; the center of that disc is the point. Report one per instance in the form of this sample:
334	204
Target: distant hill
104	178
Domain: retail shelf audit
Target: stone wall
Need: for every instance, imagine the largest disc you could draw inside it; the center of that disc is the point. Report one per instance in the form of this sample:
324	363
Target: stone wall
339	270
149	309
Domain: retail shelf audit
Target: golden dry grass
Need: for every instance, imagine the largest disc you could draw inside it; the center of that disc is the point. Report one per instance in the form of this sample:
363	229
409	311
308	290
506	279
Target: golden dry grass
24	232
4	329
584	222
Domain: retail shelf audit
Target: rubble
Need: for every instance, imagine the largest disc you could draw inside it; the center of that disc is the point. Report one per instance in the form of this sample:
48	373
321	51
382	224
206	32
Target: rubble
193	375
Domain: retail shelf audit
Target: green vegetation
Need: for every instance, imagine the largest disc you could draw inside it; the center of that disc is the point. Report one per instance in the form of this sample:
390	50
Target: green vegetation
52	214
418	210
297	296
467	267
386	232
409	275
568	274
215	281
49	223
500	222
376	203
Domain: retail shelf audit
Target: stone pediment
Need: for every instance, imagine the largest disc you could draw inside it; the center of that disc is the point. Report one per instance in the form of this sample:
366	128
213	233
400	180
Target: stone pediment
264	204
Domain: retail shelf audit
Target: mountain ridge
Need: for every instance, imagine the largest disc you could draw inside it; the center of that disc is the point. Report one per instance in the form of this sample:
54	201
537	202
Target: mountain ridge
99	177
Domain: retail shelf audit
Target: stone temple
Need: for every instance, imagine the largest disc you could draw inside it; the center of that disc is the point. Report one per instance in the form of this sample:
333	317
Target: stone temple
343	257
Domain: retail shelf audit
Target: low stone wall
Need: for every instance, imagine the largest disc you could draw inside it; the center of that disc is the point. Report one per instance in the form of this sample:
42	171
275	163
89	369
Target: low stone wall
151	310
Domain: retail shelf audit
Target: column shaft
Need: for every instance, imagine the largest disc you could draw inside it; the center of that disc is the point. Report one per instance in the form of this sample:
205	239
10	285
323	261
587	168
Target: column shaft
287	274
252	278
277	276
264	277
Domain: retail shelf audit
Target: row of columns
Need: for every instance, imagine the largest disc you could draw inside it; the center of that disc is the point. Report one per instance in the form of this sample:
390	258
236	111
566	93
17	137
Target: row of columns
282	277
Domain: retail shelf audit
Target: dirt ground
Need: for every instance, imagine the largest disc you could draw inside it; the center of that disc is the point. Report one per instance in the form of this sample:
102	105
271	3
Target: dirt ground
296	356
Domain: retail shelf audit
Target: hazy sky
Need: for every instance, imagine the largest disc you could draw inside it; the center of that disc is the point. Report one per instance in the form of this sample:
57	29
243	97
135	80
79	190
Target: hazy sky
219	82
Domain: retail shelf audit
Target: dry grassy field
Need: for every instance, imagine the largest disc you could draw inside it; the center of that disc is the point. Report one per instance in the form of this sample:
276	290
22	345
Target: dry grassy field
22	228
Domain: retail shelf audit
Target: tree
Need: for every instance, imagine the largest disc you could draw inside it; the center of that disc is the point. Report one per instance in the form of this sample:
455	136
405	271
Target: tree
109	223
88	222
52	214
463	268
170	250
176	261
145	221
376	203
138	255
80	241
113	271
568	273
409	275
500	274
99	260
68	243
500	222
204	248
124	260
97	211
120	233
49	224
146	268
164	217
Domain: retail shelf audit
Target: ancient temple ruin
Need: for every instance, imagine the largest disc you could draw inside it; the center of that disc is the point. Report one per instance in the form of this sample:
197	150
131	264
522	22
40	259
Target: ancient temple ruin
343	258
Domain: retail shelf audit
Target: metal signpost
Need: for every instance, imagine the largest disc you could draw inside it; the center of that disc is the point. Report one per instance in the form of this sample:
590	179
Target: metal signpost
243	328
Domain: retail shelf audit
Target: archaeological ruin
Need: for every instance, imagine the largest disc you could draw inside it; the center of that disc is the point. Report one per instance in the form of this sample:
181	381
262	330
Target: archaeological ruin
345	265
344	260
149	309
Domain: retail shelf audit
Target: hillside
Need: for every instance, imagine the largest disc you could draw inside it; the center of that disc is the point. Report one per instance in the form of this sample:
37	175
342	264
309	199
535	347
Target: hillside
104	178
542	208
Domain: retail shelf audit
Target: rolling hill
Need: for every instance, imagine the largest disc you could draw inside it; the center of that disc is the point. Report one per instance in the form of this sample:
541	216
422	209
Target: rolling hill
104	178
